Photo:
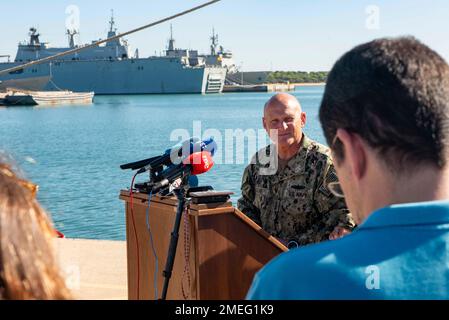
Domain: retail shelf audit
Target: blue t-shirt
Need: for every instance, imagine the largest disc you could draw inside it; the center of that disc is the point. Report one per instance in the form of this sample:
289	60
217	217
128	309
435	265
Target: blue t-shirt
399	252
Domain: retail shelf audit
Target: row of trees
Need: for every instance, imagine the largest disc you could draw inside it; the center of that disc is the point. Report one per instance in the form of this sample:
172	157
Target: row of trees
297	76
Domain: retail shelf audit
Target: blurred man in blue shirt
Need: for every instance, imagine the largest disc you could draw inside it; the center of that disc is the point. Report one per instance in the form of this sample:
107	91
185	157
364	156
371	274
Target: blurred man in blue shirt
385	115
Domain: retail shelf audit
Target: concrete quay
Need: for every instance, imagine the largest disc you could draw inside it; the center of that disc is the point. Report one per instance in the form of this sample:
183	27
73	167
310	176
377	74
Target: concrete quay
94	269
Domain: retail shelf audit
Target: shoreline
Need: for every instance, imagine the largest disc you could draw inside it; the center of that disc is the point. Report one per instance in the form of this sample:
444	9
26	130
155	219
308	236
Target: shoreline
308	84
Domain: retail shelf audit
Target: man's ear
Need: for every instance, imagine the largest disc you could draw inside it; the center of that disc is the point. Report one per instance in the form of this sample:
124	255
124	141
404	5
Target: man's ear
303	119
264	124
354	152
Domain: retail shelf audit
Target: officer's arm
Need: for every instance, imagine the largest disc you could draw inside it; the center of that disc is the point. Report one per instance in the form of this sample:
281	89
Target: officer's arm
246	202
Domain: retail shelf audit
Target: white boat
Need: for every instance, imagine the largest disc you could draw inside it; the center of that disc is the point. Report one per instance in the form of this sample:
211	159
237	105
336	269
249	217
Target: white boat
62	97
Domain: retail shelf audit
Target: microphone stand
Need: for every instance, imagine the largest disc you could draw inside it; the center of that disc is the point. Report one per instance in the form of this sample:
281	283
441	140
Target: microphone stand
180	193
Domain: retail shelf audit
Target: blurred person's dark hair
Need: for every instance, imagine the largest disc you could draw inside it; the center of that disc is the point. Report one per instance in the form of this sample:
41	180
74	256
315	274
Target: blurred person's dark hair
394	93
28	266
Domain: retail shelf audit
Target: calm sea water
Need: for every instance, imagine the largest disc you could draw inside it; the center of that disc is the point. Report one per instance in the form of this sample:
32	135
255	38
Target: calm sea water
74	152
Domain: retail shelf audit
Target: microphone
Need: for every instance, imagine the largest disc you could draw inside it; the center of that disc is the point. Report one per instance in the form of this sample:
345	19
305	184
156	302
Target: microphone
193	184
177	153
159	160
195	164
208	145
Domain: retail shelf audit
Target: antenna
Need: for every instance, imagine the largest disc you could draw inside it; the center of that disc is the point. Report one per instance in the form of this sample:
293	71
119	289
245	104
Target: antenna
71	35
112	22
214	39
171	41
34	36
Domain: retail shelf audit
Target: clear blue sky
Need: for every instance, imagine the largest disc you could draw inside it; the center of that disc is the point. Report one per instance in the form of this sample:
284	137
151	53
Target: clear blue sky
263	34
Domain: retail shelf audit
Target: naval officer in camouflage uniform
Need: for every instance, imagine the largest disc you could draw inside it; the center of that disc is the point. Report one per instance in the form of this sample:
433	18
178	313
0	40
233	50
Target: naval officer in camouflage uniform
293	202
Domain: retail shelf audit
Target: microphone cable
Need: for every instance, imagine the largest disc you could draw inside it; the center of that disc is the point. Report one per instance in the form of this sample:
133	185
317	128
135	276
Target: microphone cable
135	234
186	272
156	262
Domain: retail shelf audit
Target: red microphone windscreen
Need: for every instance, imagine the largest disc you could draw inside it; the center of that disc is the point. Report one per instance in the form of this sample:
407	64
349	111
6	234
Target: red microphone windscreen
201	162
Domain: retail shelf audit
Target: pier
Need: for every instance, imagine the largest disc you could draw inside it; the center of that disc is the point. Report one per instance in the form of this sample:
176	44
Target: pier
94	269
269	87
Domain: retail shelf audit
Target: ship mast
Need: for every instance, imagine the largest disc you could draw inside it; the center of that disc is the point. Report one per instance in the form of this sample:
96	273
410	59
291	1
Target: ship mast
71	35
112	22
34	37
171	41
213	46
112	32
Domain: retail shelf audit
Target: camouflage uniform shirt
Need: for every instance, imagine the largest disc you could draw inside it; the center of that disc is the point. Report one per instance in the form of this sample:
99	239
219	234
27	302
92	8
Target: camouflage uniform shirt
294	204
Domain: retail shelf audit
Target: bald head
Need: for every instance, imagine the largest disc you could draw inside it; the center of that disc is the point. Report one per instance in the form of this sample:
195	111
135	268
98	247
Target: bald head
283	100
283	120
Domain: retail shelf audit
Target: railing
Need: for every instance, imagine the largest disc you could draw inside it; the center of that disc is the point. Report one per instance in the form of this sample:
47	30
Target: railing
6	56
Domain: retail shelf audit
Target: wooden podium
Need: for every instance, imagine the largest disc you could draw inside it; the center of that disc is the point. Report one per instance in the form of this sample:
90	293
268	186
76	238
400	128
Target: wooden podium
219	249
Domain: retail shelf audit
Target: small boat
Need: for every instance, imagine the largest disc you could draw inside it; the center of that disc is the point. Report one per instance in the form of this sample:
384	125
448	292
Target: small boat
19	97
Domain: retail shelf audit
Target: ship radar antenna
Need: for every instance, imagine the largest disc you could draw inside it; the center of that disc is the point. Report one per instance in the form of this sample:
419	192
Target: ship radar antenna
214	40
34	37
112	21
171	41
71	34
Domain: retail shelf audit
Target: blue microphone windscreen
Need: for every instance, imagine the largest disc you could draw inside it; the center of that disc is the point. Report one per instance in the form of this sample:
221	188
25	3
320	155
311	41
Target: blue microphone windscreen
184	145
210	145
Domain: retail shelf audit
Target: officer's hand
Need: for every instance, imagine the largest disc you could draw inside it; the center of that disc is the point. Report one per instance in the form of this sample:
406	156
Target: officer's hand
338	233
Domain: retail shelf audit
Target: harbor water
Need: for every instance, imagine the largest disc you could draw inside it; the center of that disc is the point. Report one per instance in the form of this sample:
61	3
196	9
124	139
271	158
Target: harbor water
74	152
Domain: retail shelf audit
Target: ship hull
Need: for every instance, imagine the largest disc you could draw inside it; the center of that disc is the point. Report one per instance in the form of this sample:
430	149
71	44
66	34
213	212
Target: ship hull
157	75
32	84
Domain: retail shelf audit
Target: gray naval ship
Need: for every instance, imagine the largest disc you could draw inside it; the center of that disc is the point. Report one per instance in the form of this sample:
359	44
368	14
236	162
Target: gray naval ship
110	69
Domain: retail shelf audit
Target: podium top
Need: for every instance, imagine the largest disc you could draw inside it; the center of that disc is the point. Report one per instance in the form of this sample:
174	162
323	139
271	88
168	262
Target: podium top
171	200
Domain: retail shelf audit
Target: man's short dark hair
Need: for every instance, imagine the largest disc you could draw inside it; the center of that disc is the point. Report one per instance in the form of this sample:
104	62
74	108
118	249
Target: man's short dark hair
394	93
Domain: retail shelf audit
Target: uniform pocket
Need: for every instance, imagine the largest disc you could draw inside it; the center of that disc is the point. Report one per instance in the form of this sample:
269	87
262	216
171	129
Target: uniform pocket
297	202
296	191
262	197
